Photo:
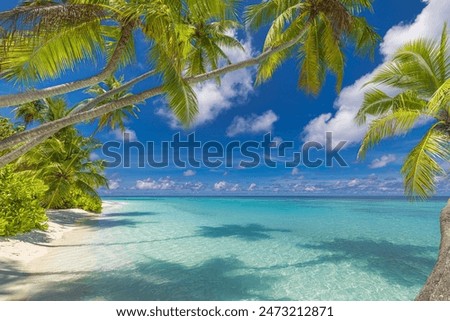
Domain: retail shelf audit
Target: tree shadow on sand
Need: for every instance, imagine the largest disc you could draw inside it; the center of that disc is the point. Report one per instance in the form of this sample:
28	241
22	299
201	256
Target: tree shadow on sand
403	264
215	279
249	232
10	273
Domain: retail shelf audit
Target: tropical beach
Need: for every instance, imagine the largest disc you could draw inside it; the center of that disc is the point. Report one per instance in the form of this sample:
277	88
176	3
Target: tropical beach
211	150
182	249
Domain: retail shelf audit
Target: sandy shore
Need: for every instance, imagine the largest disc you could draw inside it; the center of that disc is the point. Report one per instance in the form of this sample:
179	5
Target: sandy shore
19	251
27	247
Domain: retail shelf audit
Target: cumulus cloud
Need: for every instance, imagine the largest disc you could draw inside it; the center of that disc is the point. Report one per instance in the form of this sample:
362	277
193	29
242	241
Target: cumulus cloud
220	185
189	173
383	161
252	124
213	98
150	184
251	187
114	184
428	23
295	171
235	188
118	134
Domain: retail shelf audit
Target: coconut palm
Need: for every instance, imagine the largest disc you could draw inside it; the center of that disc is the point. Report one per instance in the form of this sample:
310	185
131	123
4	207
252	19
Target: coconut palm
188	36
419	74
319	29
117	118
63	161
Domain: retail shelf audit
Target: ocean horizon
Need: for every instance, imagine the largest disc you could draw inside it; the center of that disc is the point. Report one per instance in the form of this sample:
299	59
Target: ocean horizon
246	248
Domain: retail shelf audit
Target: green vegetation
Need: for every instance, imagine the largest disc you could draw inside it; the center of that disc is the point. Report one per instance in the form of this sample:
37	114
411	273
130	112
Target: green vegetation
186	44
57	174
21	197
420	75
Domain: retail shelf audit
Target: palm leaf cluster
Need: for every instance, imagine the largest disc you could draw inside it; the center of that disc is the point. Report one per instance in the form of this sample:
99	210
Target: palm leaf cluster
187	43
43	39
63	162
325	28
419	73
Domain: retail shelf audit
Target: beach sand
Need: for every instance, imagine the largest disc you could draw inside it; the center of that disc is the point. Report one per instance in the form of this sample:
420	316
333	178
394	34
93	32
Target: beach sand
19	254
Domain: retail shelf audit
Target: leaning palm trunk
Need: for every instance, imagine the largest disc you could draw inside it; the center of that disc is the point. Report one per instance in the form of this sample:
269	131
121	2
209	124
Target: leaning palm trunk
78	117
437	287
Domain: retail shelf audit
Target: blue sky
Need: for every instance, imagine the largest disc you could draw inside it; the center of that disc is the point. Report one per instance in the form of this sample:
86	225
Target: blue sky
240	111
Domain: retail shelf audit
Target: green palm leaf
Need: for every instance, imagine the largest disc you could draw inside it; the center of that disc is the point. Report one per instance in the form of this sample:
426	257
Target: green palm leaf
395	123
421	166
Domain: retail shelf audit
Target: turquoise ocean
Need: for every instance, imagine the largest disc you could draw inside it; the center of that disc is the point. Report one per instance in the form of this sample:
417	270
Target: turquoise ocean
209	248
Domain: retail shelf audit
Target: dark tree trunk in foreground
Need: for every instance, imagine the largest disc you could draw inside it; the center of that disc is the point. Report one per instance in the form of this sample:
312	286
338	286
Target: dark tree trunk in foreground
437	287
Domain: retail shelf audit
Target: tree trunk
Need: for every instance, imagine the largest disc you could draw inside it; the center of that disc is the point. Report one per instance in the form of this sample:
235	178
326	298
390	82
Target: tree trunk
110	68
134	99
437	287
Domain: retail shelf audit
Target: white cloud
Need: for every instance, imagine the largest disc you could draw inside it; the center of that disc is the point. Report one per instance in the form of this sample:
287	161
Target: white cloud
127	133
150	184
213	98
429	23
220	185
235	188
383	161
313	189
189	173
114	184
295	171
252	124
194	186
251	187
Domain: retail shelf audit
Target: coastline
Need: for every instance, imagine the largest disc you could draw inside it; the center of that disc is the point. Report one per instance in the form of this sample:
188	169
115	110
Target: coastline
18	253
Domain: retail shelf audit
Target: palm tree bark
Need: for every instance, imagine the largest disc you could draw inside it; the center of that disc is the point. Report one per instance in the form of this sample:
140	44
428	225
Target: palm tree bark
32	95
131	100
437	287
97	100
16	153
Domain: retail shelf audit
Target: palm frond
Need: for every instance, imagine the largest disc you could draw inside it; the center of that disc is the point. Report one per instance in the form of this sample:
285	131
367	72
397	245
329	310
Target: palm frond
29	59
395	123
378	103
421	167
311	71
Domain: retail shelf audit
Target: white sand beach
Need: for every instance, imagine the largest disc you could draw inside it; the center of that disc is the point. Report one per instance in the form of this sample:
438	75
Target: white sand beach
20	251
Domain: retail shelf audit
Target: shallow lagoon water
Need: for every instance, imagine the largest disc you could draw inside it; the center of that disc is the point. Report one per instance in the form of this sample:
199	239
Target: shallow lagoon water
247	249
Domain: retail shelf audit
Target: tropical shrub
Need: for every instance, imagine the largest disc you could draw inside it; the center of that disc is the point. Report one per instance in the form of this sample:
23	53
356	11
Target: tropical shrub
21	195
84	201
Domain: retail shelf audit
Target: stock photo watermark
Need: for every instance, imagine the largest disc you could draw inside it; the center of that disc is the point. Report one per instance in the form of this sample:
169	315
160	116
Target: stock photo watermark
188	152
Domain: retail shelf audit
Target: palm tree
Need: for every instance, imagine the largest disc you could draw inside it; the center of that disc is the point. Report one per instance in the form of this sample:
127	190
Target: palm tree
187	37
324	26
419	73
117	118
63	161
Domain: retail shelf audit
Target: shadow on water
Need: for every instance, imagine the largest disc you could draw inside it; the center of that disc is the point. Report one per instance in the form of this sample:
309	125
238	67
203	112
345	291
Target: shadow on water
249	232
111	223
403	264
215	279
130	214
